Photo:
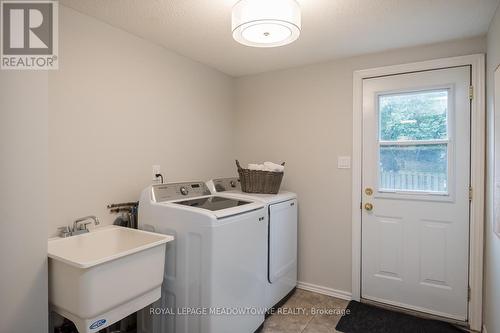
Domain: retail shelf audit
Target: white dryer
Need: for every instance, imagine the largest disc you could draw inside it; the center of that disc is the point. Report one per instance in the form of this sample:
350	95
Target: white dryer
281	238
214	272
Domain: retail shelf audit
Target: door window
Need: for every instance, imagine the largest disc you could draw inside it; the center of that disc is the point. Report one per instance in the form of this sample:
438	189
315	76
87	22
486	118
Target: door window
414	141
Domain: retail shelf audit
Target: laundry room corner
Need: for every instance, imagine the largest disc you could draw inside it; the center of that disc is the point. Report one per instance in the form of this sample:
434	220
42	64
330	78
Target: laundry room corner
120	104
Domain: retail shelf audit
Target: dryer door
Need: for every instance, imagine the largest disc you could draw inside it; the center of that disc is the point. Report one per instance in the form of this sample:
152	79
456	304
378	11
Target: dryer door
282	239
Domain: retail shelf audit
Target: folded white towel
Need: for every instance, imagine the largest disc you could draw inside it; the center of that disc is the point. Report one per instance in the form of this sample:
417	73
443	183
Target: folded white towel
270	166
256	167
267	166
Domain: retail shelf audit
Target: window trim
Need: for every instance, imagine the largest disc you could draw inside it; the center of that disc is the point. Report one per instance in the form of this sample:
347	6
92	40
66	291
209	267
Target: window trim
449	195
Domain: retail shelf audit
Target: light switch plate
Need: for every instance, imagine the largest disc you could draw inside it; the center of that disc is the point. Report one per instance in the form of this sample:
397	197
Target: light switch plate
344	162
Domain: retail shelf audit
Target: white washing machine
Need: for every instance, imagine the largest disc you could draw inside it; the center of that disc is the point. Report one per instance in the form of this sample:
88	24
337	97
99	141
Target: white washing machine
281	238
214	272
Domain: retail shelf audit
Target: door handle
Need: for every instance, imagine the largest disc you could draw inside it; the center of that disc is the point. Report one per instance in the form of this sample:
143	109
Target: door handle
368	207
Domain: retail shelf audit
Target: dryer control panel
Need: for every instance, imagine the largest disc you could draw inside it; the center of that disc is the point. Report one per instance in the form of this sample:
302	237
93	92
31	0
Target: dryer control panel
174	191
226	184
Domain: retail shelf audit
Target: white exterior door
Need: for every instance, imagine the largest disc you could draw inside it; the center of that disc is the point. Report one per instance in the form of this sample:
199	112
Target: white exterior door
416	176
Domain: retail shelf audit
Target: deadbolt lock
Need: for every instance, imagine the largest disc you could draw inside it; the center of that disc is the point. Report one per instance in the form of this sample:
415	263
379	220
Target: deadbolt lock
368	191
368	207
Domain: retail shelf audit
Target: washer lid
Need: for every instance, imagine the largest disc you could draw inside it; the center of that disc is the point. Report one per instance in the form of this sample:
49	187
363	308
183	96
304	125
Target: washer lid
213	203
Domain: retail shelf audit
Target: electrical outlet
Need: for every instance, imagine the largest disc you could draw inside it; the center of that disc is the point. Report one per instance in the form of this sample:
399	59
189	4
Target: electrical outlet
156	170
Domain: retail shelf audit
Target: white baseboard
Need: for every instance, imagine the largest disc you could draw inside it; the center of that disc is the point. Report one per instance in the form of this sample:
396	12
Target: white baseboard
325	290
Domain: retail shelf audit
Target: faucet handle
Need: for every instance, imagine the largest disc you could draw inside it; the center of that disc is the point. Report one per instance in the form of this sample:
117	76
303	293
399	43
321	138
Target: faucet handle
83	226
64	231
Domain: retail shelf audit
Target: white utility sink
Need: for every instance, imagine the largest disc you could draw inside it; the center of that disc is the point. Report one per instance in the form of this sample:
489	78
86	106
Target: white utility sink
98	278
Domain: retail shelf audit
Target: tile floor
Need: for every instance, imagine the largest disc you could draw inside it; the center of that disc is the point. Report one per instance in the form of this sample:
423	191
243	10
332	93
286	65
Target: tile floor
306	312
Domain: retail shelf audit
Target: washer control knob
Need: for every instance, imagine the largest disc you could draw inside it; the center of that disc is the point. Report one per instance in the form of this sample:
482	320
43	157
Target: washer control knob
184	191
232	183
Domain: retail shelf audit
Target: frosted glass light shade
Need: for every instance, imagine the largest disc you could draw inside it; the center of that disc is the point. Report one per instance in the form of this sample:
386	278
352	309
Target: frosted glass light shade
266	23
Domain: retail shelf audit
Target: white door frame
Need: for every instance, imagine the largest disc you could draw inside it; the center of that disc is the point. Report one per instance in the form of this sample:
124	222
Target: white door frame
477	62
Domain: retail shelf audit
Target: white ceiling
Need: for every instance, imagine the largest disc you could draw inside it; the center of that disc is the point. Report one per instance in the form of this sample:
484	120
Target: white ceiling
201	29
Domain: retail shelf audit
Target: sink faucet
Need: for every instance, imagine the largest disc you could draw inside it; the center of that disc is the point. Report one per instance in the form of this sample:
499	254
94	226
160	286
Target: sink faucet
83	226
79	226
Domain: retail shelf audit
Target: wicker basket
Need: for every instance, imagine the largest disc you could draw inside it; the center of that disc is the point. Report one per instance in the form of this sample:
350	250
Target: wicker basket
258	181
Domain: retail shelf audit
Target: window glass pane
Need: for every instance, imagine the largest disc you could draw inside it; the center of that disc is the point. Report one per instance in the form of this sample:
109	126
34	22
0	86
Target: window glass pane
414	116
414	168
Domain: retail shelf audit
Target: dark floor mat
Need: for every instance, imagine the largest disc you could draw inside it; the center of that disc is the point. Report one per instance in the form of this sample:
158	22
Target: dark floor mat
363	318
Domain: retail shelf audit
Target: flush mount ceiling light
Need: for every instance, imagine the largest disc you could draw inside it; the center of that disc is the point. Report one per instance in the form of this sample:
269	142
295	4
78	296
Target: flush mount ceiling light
266	23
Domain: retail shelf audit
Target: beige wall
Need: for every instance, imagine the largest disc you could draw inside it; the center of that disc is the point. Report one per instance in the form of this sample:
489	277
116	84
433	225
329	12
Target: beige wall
304	116
23	201
492	241
120	104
